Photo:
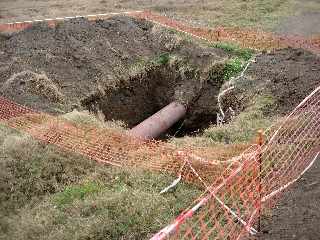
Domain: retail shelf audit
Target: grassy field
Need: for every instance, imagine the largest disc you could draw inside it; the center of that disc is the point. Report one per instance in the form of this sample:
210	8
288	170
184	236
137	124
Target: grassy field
249	13
46	193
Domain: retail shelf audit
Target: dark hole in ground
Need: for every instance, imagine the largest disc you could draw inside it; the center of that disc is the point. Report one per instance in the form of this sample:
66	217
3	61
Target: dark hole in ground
140	96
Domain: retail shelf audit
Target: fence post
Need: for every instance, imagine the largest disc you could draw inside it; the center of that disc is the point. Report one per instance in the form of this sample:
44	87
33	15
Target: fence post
260	143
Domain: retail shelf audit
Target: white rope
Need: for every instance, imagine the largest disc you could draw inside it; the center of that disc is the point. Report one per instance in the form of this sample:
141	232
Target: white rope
72	17
251	230
175	182
221	115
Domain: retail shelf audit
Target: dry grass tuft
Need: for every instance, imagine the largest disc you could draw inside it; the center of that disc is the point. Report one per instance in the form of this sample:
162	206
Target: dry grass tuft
36	83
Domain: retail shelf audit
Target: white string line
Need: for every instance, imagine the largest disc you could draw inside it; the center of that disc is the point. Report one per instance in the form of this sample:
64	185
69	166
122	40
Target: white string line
290	183
72	17
252	231
176	181
219	102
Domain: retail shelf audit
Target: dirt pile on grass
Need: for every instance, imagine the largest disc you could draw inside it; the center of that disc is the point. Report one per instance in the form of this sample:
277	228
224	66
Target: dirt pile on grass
289	75
124	67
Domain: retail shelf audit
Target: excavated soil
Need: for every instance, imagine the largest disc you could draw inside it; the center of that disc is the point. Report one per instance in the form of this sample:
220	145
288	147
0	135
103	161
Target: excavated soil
129	69
123	67
287	76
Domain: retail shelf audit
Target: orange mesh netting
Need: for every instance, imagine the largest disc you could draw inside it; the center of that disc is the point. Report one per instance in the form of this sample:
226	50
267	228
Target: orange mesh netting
231	205
235	190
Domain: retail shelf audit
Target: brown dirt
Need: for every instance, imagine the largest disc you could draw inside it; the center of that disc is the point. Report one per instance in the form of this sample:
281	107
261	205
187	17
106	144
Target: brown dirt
287	75
297	215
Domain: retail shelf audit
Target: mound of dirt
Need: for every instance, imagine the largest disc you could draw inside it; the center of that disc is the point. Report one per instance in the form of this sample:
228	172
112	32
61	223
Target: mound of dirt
124	67
289	75
286	76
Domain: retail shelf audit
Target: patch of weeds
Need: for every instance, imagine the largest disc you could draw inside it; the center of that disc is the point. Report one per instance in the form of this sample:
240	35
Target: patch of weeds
72	193
162	59
140	65
128	207
232	68
243	53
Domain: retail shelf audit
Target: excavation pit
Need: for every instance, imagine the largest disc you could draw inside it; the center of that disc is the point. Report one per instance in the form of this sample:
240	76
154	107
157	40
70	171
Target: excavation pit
125	68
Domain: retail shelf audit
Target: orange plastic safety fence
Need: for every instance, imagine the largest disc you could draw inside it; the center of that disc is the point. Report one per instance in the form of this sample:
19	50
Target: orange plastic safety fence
231	205
244	37
112	146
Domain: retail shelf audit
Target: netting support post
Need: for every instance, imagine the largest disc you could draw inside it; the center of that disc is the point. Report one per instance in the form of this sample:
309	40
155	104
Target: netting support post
260	143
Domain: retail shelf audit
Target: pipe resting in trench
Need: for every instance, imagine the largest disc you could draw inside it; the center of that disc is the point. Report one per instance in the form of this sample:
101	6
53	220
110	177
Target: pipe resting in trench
160	122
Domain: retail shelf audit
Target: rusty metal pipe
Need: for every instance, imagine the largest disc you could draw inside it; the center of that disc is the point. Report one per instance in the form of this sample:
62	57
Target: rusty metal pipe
159	123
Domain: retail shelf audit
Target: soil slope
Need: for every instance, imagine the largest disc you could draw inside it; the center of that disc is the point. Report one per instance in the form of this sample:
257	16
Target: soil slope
287	76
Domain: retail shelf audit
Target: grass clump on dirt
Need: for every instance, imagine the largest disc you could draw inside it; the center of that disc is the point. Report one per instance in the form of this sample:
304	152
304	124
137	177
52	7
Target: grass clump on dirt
243	127
232	68
76	192
240	57
48	193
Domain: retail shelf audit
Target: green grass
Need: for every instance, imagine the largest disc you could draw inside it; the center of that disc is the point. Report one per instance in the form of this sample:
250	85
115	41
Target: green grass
162	59
233	67
253	13
46	193
243	53
77	192
240	57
